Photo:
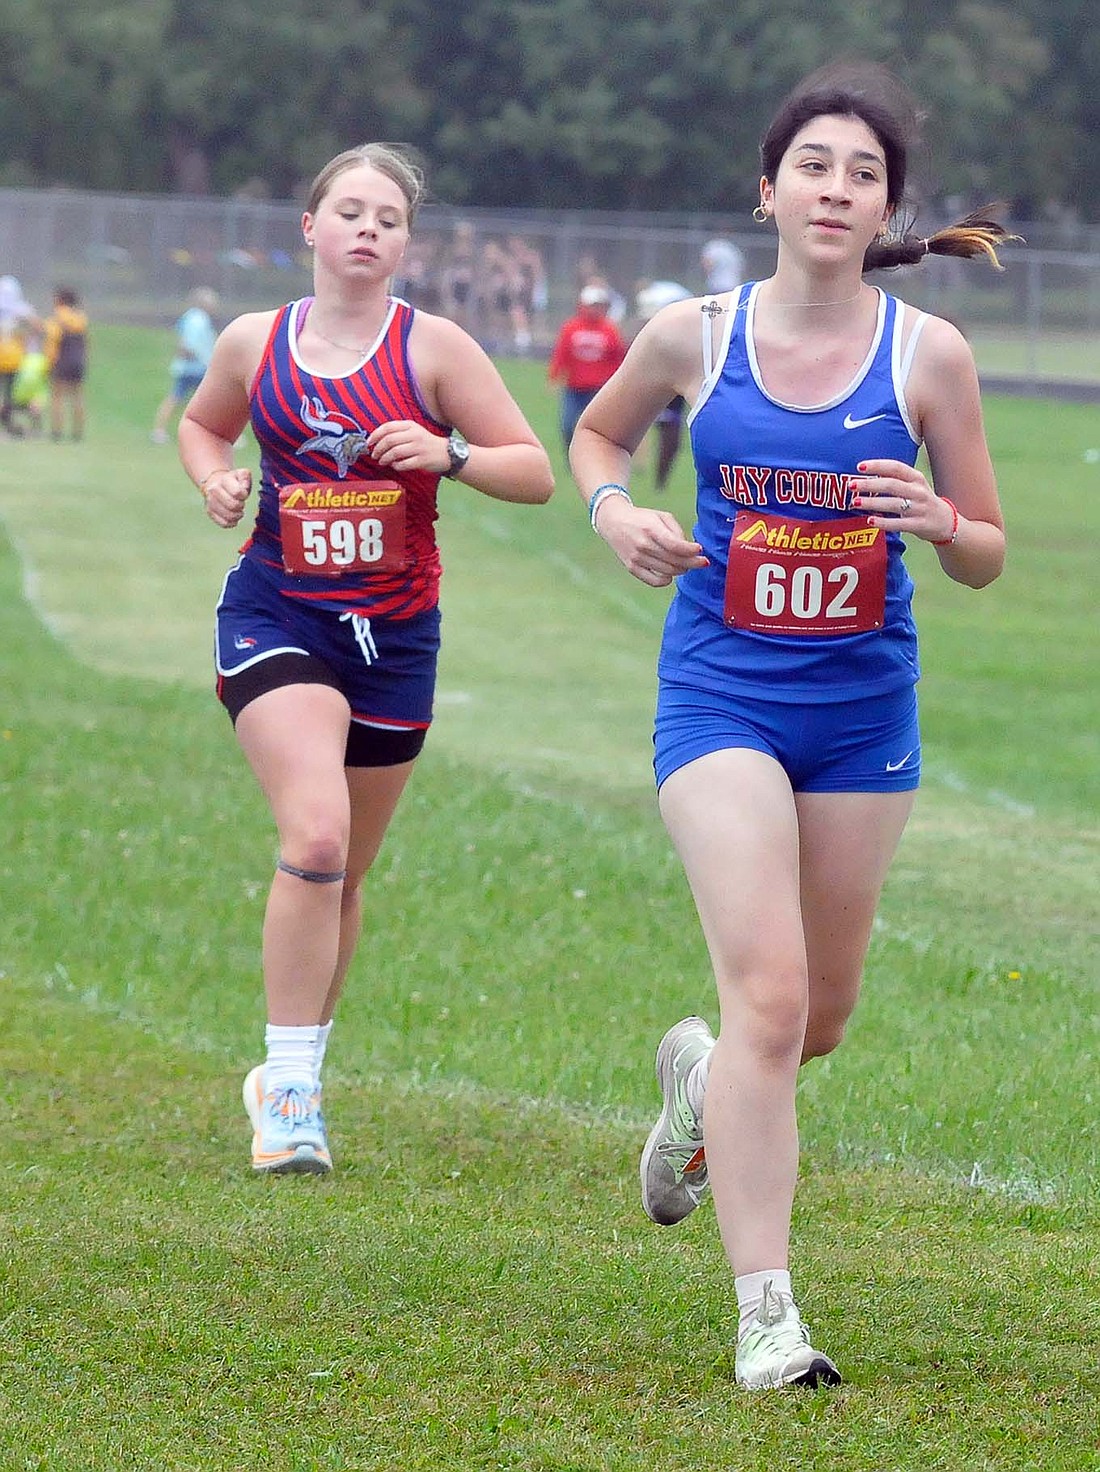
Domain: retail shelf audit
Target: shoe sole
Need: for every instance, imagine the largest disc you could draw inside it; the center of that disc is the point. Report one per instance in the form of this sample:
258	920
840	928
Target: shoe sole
306	1160
662	1063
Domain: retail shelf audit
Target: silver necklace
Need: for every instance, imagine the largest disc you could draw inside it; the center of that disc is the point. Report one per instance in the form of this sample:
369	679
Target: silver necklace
843	302
343	346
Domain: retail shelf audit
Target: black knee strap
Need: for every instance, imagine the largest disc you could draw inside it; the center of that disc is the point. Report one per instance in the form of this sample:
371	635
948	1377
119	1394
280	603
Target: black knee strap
313	876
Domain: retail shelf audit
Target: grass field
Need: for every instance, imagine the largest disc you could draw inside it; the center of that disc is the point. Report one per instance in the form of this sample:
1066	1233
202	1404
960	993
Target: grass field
475	1287
1056	355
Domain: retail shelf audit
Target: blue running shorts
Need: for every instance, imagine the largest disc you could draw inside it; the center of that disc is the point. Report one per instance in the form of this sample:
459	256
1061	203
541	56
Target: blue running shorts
385	668
867	745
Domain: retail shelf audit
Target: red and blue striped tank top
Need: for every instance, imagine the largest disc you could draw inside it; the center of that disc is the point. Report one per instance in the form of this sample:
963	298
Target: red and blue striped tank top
315	428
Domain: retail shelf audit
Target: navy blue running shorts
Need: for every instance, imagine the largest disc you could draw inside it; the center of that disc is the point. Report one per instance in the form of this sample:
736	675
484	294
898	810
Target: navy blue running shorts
867	745
385	668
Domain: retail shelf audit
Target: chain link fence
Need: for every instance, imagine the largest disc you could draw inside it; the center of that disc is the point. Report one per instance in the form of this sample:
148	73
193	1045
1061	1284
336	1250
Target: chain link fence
511	277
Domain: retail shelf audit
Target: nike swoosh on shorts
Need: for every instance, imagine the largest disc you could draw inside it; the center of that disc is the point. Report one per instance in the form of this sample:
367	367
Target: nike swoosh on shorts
897	766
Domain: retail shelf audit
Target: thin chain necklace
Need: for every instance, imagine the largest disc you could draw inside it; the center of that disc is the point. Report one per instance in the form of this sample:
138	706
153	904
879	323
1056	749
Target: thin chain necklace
333	343
843	302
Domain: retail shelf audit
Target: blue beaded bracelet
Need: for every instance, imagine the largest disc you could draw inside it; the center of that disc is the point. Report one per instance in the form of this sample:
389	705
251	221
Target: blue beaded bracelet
609	488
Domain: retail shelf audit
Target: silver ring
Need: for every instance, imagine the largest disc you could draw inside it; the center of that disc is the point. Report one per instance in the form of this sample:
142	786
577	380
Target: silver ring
905	505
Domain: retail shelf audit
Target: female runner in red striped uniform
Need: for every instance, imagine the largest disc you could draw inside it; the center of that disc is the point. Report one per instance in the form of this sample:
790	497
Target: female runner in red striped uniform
328	625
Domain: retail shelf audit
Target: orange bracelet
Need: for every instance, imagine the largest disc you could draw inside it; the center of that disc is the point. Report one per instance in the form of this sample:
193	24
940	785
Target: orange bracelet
210	476
947	541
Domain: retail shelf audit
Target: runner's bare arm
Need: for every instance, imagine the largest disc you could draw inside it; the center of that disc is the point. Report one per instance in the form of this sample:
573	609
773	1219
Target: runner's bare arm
216	415
462	387
664	360
945	396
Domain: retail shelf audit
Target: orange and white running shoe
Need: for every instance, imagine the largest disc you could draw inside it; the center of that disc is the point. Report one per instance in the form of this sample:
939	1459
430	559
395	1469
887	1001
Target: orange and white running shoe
288	1128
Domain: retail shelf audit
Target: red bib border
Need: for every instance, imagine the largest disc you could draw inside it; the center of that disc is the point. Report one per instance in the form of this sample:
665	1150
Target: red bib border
331	528
787	576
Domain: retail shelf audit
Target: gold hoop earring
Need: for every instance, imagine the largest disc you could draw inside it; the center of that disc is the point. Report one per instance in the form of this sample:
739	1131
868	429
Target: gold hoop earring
760	215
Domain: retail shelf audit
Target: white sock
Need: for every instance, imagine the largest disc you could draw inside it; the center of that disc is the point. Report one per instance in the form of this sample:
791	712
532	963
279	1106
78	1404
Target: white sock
290	1054
695	1085
319	1051
750	1292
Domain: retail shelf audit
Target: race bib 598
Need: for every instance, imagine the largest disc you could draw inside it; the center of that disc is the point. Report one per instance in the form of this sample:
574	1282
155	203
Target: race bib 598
330	528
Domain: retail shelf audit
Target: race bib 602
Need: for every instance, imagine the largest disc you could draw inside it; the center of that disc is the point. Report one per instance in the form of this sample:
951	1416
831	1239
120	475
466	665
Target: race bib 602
787	576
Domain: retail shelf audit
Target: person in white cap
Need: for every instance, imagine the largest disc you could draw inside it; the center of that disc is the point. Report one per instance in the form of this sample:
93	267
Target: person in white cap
723	265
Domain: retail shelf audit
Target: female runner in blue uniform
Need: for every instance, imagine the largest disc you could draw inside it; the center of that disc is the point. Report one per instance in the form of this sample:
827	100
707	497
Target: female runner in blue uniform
328	625
786	746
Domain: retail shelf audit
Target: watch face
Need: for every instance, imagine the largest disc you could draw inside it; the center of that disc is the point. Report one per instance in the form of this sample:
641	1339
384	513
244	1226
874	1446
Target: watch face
458	450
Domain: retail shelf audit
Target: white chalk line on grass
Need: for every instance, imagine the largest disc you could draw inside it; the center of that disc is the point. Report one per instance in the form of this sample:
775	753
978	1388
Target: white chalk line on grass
1016	1186
601	588
31	585
607	592
993	797
580	577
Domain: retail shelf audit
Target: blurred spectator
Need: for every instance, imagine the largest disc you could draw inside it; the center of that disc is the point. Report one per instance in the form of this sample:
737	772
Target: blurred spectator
588	349
499	287
591	273
31	389
668	427
195	338
531	296
417	280
67	357
723	265
457	275
17	316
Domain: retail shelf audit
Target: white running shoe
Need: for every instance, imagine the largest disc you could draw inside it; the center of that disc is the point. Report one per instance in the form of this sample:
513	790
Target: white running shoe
288	1128
674	1164
775	1349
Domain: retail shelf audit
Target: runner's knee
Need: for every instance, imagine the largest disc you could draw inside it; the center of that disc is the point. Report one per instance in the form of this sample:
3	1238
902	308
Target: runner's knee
312	876
321	849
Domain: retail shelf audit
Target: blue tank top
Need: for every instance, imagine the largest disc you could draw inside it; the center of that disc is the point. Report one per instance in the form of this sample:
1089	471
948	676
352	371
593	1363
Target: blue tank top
753	453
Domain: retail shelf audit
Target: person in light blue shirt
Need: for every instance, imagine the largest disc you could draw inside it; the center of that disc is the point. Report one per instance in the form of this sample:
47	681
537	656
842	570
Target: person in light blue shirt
195	338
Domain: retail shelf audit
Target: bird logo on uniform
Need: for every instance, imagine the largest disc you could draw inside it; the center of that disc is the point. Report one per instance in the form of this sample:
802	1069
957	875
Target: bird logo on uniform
333	434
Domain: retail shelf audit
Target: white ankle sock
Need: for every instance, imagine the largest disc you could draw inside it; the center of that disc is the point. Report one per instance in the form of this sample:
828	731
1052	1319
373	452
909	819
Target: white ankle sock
319	1052
290	1055
750	1292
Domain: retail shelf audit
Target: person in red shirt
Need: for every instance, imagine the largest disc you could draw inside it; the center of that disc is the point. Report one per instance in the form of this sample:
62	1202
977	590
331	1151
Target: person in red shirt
588	349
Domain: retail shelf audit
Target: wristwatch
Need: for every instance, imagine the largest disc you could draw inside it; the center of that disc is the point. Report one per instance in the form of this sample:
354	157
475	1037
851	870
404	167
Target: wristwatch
458	452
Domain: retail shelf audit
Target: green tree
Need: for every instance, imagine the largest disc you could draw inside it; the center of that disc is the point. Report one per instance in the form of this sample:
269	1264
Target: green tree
643	104
976	74
274	91
626	105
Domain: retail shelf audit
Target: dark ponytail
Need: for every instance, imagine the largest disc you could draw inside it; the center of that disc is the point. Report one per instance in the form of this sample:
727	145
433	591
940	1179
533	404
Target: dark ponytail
975	235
